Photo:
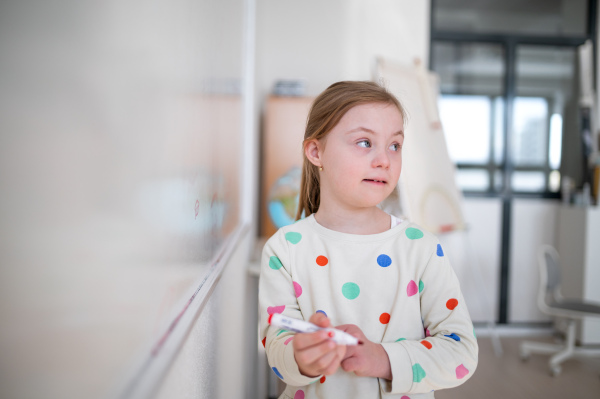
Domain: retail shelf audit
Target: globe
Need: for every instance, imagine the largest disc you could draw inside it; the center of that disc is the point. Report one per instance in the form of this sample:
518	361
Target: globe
282	202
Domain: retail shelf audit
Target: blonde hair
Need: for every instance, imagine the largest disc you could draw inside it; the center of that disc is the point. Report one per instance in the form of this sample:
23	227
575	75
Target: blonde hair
325	113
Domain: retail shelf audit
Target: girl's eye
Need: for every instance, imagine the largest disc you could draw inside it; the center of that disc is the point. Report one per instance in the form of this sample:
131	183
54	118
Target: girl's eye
364	144
395	147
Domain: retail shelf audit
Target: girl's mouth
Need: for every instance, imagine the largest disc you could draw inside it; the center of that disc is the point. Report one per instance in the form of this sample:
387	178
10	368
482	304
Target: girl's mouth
375	181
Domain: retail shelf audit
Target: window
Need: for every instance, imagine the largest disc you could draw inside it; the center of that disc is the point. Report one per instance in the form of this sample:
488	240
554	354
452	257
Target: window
494	53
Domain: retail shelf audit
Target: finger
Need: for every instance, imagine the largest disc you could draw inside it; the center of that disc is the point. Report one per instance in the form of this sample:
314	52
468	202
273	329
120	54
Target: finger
350	352
320	320
320	365
341	351
349	364
326	364
333	366
351	329
310	355
303	341
344	327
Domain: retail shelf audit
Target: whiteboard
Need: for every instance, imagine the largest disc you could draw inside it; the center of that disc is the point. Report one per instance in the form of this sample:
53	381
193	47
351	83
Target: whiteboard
428	193
121	132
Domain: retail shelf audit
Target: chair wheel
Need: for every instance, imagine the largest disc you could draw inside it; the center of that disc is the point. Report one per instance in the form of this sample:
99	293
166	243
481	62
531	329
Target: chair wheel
524	355
555	370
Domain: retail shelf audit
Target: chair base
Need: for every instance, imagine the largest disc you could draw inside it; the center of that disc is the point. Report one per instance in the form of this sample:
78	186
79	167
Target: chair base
559	352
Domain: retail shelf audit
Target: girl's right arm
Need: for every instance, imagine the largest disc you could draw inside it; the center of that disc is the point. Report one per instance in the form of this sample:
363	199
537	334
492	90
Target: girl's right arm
298	359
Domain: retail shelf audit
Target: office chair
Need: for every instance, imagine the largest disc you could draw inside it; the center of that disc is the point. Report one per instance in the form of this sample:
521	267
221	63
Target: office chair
551	302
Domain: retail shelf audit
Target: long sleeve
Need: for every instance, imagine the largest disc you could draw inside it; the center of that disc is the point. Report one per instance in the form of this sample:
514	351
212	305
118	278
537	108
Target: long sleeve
277	294
447	355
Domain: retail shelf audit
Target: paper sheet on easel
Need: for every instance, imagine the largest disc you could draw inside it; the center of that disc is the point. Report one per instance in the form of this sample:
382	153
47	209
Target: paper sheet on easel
428	192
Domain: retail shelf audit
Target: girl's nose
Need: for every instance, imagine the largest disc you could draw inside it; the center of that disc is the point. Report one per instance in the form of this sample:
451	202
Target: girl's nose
381	159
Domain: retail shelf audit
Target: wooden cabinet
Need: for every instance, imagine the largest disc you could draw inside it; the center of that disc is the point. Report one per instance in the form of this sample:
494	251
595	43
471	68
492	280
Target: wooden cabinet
282	136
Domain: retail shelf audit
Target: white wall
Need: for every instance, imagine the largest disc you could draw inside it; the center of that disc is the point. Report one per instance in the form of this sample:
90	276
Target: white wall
327	41
475	256
396	30
534	222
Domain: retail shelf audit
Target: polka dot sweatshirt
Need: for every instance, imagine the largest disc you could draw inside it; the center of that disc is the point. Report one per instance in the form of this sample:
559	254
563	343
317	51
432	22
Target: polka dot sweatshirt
397	286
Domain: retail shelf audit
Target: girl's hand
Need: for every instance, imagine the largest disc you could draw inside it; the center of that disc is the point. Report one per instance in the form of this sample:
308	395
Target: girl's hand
315	353
367	360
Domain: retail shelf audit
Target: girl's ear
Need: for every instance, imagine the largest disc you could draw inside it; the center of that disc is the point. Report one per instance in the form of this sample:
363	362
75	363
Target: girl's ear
313	151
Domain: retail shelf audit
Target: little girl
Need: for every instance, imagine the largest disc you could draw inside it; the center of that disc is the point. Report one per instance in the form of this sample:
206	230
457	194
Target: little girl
351	266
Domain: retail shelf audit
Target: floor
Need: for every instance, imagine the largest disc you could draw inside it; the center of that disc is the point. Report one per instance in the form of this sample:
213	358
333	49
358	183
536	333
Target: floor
508	377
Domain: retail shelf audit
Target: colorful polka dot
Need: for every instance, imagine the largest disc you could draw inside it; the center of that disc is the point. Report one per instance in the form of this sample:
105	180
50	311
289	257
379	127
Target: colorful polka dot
275	309
293	237
453	336
322	380
452	303
418	372
412	288
421	286
440	251
281	332
322	260
383	260
461	372
350	290
384	318
264	342
277	373
427	332
275	263
287	341
401	339
414	234
426	344
299	394
298	289
405	397
322	311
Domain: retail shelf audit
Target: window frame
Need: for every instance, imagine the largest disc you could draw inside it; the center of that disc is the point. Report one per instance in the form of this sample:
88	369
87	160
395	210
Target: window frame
510	45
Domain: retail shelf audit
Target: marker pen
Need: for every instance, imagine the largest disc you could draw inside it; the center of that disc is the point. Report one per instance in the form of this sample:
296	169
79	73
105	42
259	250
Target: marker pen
300	326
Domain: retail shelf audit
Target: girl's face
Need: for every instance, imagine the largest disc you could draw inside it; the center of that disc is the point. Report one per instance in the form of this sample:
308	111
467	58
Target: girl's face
361	156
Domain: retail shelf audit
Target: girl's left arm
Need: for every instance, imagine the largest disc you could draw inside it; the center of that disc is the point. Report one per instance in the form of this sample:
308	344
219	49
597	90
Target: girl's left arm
447	356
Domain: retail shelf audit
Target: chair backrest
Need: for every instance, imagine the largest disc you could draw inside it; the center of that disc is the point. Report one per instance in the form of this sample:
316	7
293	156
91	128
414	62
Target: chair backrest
549	266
